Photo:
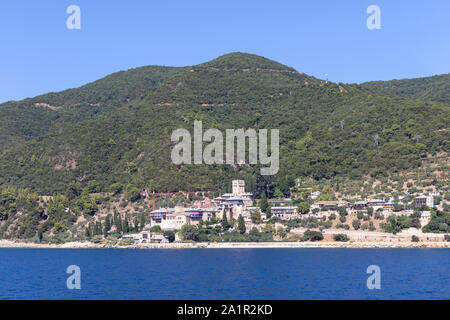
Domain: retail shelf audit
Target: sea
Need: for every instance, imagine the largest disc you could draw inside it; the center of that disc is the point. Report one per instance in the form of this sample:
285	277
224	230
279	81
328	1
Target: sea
244	274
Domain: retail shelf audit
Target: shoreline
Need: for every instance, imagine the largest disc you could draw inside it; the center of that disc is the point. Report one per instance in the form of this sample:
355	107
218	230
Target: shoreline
4	244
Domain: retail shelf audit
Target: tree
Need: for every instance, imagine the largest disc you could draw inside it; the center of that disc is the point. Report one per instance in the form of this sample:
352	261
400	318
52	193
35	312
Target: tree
107	226
225	224
132	167
116	188
98	228
119	224
241	224
88	232
341	237
255	216
151	185
356	224
93	186
189	232
278	193
132	193
136	224
170	235
312	236
156	229
126	227
342	211
303	207
360	215
73	190
59	228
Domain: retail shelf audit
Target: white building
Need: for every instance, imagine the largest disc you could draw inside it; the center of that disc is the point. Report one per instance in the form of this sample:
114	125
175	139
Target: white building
238	187
430	201
314	195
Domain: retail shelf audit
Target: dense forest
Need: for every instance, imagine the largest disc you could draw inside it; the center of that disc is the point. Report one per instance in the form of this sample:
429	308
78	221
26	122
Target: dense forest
435	88
118	129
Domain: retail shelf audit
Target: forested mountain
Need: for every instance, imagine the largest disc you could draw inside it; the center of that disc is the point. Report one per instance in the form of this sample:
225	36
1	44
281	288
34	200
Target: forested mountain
435	88
118	129
35	117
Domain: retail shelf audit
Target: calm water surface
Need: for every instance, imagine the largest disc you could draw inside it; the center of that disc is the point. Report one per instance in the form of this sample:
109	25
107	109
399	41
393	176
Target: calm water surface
225	273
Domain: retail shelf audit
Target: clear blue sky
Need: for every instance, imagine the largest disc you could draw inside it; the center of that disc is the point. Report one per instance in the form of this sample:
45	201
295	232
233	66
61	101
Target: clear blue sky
39	54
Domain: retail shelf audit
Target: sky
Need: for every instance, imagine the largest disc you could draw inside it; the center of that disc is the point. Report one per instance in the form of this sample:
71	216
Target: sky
323	38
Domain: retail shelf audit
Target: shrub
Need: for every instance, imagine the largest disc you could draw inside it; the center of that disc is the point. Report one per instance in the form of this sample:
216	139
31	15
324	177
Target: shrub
312	236
132	192
341	237
379	216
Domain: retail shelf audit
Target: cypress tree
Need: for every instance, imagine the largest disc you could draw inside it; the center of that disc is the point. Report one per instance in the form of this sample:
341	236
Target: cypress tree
119	224
142	220
263	204
241	224
136	224
107	223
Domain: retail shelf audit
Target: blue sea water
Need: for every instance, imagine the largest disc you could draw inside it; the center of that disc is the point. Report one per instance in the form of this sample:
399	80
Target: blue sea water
225	273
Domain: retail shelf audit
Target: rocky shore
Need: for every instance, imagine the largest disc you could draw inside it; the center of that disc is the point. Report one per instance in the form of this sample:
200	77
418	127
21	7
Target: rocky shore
229	245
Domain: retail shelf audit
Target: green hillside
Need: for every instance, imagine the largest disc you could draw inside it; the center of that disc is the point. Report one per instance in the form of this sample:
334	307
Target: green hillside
435	88
33	118
326	129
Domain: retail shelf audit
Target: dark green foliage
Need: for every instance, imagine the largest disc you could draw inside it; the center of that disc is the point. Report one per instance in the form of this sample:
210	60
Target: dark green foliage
303	207
398	223
189	232
116	188
342	237
209	233
156	229
170	235
435	88
115	132
263	204
21	213
310	235
132	192
225	223
440	222
37	117
342	211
